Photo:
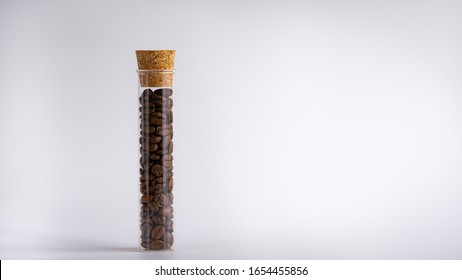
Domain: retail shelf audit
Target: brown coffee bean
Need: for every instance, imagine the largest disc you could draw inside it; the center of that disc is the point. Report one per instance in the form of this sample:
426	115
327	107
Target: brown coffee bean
168	238
146	245
170	198
160	187
169	103
159	220
163	92
149	146
148	108
167	157
161	152
145	131
146	229
146	211
146	220
153	207
157	232
168	224
158	245
160	180
163	130
155	139
170	147
158	118
158	170
146	198
166	211
161	200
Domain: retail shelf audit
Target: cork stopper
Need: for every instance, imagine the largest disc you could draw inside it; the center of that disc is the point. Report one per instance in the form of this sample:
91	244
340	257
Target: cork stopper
155	67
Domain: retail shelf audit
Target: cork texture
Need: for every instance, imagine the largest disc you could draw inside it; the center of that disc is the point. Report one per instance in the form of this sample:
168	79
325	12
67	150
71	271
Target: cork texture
161	61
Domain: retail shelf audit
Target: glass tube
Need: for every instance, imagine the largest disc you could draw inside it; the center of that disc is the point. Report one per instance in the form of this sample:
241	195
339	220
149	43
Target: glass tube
156	168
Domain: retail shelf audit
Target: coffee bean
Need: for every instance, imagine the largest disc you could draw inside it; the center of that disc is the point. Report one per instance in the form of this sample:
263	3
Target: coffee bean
157	232
146	229
162	200
158	170
149	147
153	206
155	139
168	237
160	180
161	152
158	245
146	198
145	211
162	130
159	220
163	92
170	198
166	211
158	118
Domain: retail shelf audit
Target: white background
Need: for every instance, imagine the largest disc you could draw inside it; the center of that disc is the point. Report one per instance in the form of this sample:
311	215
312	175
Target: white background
303	129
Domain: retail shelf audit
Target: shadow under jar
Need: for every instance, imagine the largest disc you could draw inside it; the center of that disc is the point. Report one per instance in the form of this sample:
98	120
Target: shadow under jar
156	160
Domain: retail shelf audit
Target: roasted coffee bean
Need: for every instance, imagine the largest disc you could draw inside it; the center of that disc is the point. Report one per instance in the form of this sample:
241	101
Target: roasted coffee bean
158	170
146	220
163	92
161	152
157	232
145	131
168	224
160	180
162	130
155	139
166	211
153	207
161	200
167	157
170	198
146	229
147	109
169	103
149	146
145	245
168	237
147	160
146	198
159	220
158	245
158	118
153	157
146	211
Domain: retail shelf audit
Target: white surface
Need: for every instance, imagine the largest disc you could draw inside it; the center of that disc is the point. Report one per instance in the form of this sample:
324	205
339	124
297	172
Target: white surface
303	129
